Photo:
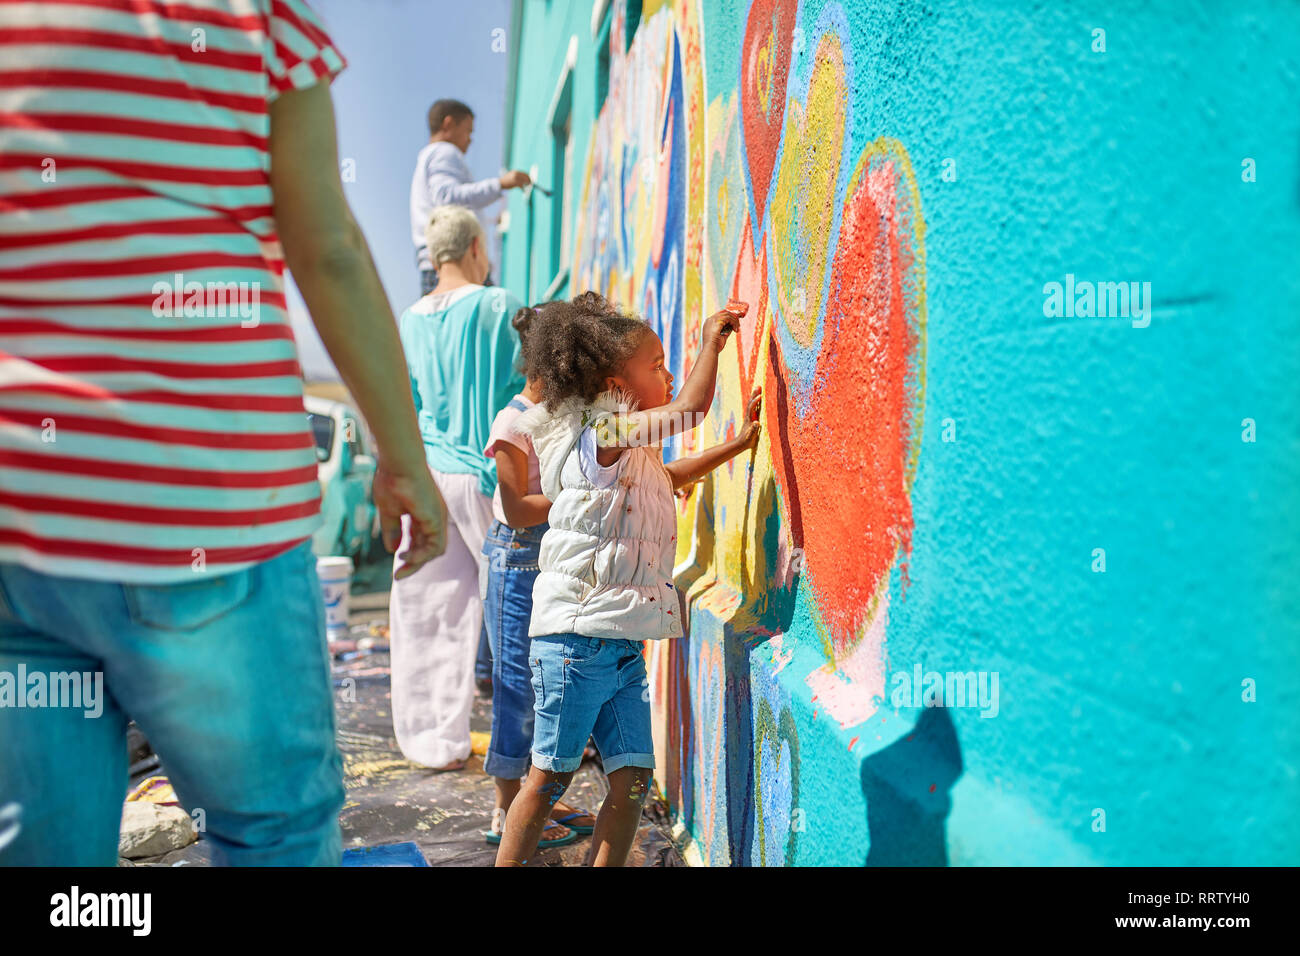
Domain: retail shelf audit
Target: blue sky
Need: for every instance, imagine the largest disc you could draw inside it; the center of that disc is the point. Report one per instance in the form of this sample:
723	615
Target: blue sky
402	55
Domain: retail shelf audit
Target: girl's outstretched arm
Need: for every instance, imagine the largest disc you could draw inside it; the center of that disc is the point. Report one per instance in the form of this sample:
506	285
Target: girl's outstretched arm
686	470
686	411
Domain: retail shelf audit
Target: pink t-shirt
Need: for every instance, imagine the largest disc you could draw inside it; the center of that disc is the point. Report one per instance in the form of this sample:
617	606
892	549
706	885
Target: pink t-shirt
503	431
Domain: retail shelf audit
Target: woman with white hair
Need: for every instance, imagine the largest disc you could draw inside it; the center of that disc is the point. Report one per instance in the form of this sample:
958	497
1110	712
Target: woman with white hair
462	353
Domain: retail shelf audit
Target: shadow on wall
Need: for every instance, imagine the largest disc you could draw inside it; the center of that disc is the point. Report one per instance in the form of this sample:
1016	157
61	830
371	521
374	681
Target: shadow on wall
907	787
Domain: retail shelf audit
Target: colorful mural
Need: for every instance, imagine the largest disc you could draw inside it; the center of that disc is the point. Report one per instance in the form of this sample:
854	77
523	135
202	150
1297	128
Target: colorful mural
957	494
828	249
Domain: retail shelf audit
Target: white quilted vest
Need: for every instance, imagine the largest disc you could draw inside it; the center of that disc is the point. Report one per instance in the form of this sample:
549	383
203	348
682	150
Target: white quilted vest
606	562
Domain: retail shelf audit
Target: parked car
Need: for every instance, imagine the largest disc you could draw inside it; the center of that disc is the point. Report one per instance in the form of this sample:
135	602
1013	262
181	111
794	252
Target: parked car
346	471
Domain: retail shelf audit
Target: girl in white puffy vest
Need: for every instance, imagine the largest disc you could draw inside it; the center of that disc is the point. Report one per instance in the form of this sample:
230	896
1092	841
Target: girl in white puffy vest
606	563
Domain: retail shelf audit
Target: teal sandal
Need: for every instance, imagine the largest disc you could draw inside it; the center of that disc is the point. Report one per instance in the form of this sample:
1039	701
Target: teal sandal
575	827
565	840
493	835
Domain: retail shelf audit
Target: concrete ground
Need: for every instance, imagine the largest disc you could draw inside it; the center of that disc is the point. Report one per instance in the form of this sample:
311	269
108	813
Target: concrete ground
391	800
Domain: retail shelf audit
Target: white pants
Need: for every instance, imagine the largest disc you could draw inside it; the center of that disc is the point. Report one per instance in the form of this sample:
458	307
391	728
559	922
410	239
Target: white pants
435	618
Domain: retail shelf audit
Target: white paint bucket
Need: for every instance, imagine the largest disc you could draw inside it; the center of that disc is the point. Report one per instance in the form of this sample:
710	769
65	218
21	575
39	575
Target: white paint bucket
335	575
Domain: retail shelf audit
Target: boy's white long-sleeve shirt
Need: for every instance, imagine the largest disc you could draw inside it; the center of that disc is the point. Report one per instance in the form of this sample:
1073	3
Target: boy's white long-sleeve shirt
442	178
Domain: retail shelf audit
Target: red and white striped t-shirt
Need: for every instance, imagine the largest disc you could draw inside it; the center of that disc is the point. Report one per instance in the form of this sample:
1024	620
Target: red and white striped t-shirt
151	411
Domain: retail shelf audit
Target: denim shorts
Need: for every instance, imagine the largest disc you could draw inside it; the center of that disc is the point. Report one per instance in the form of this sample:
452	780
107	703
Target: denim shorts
590	687
511	569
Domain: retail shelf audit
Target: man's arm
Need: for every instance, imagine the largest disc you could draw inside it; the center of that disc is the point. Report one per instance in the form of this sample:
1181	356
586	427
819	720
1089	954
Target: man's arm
329	259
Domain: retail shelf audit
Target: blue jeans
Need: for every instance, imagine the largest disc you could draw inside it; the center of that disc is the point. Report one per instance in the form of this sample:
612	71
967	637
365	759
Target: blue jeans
590	687
507	609
229	678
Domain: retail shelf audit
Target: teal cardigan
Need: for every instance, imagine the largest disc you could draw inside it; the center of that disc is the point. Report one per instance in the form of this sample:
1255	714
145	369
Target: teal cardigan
463	366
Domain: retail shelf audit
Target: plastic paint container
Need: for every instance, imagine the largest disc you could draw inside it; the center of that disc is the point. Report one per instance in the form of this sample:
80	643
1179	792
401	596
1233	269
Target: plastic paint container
335	575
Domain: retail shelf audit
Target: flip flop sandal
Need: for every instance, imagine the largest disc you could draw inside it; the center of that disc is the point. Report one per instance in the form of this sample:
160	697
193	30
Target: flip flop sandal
575	827
494	836
568	838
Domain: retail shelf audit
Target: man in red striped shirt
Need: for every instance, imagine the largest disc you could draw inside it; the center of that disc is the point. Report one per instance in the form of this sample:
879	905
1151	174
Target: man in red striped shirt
161	163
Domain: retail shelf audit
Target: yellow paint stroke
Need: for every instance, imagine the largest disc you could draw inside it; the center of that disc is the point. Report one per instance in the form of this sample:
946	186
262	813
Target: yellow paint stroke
359	772
803	206
722	205
763	71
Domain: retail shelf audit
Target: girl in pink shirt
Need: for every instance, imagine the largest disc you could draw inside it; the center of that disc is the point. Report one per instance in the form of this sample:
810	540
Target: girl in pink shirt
510	567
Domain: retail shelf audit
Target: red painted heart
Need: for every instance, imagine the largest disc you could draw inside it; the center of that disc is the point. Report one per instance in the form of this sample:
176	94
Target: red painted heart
764	65
845	468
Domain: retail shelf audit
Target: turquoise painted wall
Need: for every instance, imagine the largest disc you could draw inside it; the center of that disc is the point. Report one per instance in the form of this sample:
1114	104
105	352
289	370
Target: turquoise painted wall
1014	446
540	49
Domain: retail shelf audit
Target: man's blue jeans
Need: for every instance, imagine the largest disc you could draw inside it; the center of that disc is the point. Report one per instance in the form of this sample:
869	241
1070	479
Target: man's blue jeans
229	678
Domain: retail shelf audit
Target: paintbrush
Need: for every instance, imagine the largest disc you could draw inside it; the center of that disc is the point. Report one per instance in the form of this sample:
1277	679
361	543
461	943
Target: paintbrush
739	309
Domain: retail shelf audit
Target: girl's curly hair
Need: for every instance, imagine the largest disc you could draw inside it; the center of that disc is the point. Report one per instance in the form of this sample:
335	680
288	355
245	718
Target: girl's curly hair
572	347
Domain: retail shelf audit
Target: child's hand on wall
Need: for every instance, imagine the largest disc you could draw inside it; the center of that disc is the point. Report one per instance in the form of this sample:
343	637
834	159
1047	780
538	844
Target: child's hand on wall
748	437
687	470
